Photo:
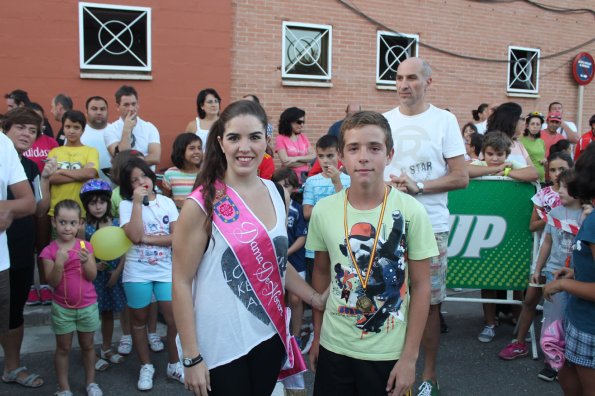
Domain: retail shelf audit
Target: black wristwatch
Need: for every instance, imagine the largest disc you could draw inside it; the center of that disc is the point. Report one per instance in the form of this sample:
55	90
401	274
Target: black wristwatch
188	362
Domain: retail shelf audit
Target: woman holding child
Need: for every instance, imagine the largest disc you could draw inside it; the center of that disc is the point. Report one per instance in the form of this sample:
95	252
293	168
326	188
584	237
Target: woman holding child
508	118
238	329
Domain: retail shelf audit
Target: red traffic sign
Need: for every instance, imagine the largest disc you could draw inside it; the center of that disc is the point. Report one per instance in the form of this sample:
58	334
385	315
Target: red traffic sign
582	68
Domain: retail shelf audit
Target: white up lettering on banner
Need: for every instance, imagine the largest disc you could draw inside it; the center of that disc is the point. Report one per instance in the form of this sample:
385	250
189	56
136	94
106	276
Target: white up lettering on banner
473	233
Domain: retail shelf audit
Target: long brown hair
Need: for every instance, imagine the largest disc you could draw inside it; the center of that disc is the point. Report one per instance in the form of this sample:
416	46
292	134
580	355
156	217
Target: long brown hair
215	163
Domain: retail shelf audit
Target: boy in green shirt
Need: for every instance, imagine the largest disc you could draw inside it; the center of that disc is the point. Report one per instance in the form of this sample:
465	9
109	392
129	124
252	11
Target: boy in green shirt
373	245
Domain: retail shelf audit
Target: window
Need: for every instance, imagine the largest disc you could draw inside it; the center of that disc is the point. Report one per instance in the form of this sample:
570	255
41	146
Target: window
523	70
391	50
306	51
114	37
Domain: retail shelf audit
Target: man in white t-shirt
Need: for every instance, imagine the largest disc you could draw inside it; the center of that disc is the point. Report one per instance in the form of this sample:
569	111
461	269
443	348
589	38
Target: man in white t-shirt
130	132
428	162
12	175
93	136
567	128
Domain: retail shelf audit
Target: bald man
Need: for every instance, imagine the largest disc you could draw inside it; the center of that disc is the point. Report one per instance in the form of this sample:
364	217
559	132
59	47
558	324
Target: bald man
428	162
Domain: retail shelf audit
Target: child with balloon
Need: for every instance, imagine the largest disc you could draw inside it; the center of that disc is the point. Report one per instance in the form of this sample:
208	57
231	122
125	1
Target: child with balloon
95	195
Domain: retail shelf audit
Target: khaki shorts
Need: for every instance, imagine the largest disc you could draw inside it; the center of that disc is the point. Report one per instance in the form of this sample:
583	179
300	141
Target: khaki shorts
438	266
67	320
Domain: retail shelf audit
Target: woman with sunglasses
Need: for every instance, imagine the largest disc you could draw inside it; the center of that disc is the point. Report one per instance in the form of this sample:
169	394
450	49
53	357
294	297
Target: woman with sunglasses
292	145
533	143
208	104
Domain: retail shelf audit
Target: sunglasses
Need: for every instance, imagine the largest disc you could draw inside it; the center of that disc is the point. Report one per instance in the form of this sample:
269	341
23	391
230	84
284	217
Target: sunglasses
300	122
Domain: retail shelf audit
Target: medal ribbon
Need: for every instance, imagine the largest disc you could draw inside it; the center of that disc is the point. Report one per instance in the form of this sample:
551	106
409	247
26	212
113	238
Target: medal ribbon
364	281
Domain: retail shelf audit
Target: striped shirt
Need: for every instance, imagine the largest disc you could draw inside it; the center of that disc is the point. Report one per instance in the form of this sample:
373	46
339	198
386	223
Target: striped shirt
179	183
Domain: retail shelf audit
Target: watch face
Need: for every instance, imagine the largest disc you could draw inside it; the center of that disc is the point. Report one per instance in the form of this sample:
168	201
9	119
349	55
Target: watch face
187	361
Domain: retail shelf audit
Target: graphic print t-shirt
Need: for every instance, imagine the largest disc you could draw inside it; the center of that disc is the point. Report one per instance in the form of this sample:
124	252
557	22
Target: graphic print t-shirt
405	234
423	142
71	158
144	262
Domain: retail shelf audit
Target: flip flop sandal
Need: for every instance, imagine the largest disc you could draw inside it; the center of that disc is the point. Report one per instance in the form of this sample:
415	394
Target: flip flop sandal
101	364
28	382
112	357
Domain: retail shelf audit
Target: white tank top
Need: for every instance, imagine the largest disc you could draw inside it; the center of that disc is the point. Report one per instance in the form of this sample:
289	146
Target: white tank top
202	134
229	320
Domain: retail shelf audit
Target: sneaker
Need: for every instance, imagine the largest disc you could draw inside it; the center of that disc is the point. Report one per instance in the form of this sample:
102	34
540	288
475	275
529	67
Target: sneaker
175	371
125	346
94	390
487	334
45	295
547	374
307	343
145	379
63	393
514	350
428	388
33	298
155	342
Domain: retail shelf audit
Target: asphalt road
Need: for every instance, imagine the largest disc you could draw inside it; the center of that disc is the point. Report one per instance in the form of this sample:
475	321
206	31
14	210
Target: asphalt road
466	366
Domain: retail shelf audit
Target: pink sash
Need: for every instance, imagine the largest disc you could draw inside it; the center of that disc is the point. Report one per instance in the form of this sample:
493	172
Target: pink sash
250	242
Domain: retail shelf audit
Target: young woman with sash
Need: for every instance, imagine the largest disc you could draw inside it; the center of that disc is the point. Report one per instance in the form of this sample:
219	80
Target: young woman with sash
230	265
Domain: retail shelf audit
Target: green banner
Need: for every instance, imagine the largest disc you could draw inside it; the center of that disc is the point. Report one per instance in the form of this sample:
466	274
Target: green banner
490	245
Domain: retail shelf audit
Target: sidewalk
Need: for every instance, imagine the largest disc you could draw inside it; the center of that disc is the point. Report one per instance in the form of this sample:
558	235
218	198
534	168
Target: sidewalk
465	366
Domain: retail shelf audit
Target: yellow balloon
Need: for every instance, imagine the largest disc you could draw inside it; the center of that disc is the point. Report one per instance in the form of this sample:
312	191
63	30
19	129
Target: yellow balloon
109	243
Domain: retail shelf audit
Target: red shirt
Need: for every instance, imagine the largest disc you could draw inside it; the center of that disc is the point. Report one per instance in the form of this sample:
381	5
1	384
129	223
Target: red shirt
40	149
583	142
316	168
550	140
266	167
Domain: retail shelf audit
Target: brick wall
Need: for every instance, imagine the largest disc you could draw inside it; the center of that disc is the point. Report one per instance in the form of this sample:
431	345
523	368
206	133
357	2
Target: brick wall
477	29
190	47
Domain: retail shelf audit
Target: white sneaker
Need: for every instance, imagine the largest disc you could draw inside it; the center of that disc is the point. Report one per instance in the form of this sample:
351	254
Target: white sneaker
145	379
94	390
125	346
155	342
175	371
487	334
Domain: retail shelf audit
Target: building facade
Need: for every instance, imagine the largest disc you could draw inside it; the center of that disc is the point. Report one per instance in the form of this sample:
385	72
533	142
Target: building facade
318	55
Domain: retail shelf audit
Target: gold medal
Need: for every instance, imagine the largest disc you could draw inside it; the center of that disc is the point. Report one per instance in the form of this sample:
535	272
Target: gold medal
364	304
364	279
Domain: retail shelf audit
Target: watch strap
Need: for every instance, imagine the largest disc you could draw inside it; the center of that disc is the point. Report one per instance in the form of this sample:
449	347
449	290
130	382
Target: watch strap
187	362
